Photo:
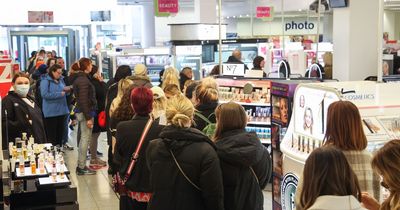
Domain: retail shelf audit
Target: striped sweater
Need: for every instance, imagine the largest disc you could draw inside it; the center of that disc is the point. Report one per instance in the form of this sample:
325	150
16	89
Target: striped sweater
360	162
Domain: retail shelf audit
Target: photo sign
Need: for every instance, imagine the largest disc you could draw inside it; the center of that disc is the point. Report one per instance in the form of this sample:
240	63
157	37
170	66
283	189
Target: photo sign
40	17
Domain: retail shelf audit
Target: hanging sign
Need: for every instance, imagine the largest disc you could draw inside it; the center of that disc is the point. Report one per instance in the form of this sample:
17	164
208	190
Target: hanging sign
265	13
166	7
40	17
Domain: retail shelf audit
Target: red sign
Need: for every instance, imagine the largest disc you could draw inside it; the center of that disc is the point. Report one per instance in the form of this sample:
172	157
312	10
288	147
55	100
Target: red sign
264	12
168	6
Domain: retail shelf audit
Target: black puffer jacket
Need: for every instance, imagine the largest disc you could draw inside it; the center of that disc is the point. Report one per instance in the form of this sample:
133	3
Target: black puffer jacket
207	110
238	151
197	156
128	137
85	94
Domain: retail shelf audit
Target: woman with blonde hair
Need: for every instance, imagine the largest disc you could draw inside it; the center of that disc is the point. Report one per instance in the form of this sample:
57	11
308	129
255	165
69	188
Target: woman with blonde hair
184	168
246	164
123	86
159	104
344	130
170	76
386	163
206	99
334	184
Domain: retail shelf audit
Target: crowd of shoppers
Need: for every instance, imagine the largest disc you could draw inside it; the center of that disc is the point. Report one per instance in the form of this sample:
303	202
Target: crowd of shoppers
178	166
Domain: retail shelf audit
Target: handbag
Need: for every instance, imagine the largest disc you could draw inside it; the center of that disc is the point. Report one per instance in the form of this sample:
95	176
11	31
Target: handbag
101	119
118	181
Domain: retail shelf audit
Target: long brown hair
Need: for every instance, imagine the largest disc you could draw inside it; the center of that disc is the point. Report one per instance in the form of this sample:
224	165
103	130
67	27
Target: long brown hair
386	162
327	172
81	65
229	116
344	127
124	110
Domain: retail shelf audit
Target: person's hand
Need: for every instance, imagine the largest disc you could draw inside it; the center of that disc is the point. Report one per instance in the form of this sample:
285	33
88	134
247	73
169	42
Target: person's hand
62	93
369	202
67	89
89	123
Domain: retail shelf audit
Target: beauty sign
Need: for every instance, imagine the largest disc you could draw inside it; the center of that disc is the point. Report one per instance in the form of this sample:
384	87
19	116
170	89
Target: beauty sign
166	7
230	69
264	13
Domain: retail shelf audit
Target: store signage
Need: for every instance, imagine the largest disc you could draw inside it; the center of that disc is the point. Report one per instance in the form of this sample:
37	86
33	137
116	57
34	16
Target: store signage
232	69
263	12
40	17
299	25
166	7
289	186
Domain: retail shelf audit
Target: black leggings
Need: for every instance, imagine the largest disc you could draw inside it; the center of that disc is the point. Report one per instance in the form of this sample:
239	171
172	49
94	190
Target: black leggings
127	203
55	128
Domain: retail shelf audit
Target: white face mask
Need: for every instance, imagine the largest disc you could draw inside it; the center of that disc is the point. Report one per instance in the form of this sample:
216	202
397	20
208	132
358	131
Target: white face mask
22	90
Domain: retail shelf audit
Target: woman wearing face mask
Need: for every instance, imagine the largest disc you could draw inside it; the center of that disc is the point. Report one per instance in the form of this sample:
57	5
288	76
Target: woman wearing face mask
20	113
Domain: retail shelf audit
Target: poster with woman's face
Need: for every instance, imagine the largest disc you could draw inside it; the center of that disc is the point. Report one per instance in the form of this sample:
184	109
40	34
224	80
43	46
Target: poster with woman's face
310	110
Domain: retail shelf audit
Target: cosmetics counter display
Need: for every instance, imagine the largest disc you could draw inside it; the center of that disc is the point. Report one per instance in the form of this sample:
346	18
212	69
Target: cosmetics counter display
379	112
282	93
254	96
35	176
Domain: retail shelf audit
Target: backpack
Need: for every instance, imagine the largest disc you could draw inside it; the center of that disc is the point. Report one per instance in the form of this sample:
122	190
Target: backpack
209	130
38	94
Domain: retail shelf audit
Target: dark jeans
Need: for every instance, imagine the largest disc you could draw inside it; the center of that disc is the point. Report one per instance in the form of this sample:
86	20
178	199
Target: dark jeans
55	129
127	203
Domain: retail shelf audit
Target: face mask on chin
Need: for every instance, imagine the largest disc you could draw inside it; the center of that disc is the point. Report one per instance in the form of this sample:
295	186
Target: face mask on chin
22	90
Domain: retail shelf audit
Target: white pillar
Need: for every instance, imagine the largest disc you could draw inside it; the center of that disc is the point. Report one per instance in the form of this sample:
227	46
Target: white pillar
205	11
355	40
327	23
148	26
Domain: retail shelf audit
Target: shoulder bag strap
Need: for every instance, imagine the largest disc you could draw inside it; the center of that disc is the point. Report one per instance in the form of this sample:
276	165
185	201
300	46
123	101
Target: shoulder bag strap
203	117
183	173
135	155
255	175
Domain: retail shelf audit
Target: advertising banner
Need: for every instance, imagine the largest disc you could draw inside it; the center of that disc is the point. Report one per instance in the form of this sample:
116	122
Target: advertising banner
40	17
166	7
265	13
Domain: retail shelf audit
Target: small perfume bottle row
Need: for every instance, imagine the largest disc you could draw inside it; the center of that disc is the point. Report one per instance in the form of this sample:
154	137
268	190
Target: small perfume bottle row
305	144
236	94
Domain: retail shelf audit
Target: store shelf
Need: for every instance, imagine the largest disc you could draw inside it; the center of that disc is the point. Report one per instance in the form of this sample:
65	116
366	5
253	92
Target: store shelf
259	123
247	104
265	141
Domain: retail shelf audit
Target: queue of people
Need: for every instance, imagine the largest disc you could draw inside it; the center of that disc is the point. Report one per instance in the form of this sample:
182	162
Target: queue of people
158	143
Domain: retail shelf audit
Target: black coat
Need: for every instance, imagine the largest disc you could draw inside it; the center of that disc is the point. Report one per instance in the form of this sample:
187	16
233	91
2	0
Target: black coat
100	89
112	93
84	93
128	136
238	151
17	119
197	156
207	111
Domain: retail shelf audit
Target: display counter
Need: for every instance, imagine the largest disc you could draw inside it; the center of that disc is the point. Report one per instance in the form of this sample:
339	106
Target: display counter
254	96
34	176
380	113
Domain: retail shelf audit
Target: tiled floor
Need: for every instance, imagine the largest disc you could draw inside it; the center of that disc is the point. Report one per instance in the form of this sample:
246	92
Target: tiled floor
95	192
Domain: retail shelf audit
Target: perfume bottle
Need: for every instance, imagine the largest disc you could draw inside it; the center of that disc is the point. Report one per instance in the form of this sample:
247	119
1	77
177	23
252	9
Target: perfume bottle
41	164
308	145
33	164
24	137
21	165
61	167
302	144
299	143
54	171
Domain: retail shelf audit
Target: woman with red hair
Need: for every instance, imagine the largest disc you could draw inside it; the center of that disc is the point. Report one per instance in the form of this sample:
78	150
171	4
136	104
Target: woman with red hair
128	136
